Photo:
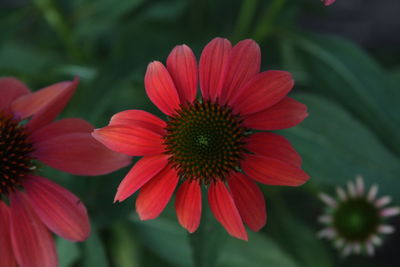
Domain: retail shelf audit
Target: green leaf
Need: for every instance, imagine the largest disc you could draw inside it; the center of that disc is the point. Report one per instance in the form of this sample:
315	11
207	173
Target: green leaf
335	147
124	248
342	71
258	251
68	252
94	252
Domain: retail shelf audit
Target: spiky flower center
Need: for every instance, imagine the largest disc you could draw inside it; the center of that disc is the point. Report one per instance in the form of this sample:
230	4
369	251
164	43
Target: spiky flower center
356	219
205	141
15	149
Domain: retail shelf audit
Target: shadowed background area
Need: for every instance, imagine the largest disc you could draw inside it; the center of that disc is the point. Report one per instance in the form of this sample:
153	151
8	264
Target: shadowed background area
345	60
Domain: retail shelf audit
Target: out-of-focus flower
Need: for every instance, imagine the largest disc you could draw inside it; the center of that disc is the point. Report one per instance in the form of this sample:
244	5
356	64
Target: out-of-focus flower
209	140
31	205
356	220
328	2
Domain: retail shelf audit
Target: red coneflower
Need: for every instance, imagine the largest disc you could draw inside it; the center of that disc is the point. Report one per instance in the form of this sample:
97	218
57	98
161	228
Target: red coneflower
31	205
209	140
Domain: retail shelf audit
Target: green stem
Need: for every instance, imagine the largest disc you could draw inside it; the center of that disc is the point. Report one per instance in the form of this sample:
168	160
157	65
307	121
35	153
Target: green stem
246	15
264	27
57	22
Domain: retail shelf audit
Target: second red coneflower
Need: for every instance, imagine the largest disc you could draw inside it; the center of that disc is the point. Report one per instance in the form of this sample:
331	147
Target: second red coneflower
209	140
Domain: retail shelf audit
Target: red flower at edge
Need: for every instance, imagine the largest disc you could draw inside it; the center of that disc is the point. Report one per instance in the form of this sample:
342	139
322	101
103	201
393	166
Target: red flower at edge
209	140
27	215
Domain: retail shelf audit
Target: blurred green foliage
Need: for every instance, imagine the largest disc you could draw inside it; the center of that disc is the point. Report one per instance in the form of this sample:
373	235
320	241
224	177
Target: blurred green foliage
353	127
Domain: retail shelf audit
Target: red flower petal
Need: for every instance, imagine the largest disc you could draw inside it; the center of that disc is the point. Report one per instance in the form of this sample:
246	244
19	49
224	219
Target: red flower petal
45	104
142	172
249	200
61	127
224	209
213	61
134	141
274	146
155	195
161	89
244	63
32	243
182	66
10	89
80	154
188	205
273	172
139	118
263	91
7	256
285	114
60	210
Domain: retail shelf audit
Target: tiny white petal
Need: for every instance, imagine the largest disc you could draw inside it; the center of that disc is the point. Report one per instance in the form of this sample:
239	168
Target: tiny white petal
341	193
357	248
385	229
327	200
370	248
352	189
360	185
376	240
347	250
389	212
327	232
372	192
325	218
383	201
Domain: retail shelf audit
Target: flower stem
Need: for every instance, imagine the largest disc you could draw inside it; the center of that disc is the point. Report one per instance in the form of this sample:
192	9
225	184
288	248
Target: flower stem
246	15
264	27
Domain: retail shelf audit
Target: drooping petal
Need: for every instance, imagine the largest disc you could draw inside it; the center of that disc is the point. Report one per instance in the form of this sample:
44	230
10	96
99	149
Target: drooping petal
10	89
225	211
285	114
213	61
61	127
60	210
182	66
249	200
328	2
44	104
273	146
142	172
7	258
273	172
139	118
133	141
80	154
188	205
263	91
161	89
32	243
155	195
243	63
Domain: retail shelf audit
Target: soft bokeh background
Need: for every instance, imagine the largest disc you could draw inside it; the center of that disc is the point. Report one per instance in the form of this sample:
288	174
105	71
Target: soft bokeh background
345	60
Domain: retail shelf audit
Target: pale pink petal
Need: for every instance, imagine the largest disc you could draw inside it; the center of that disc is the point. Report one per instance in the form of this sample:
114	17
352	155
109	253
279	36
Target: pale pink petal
262	92
327	200
32	243
285	114
328	2
249	200
383	201
142	172
10	89
161	89
7	258
213	61
139	118
188	205
273	146
182	66
225	211
273	172
44	104
155	195
60	210
133	141
389	212
243	63
80	154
